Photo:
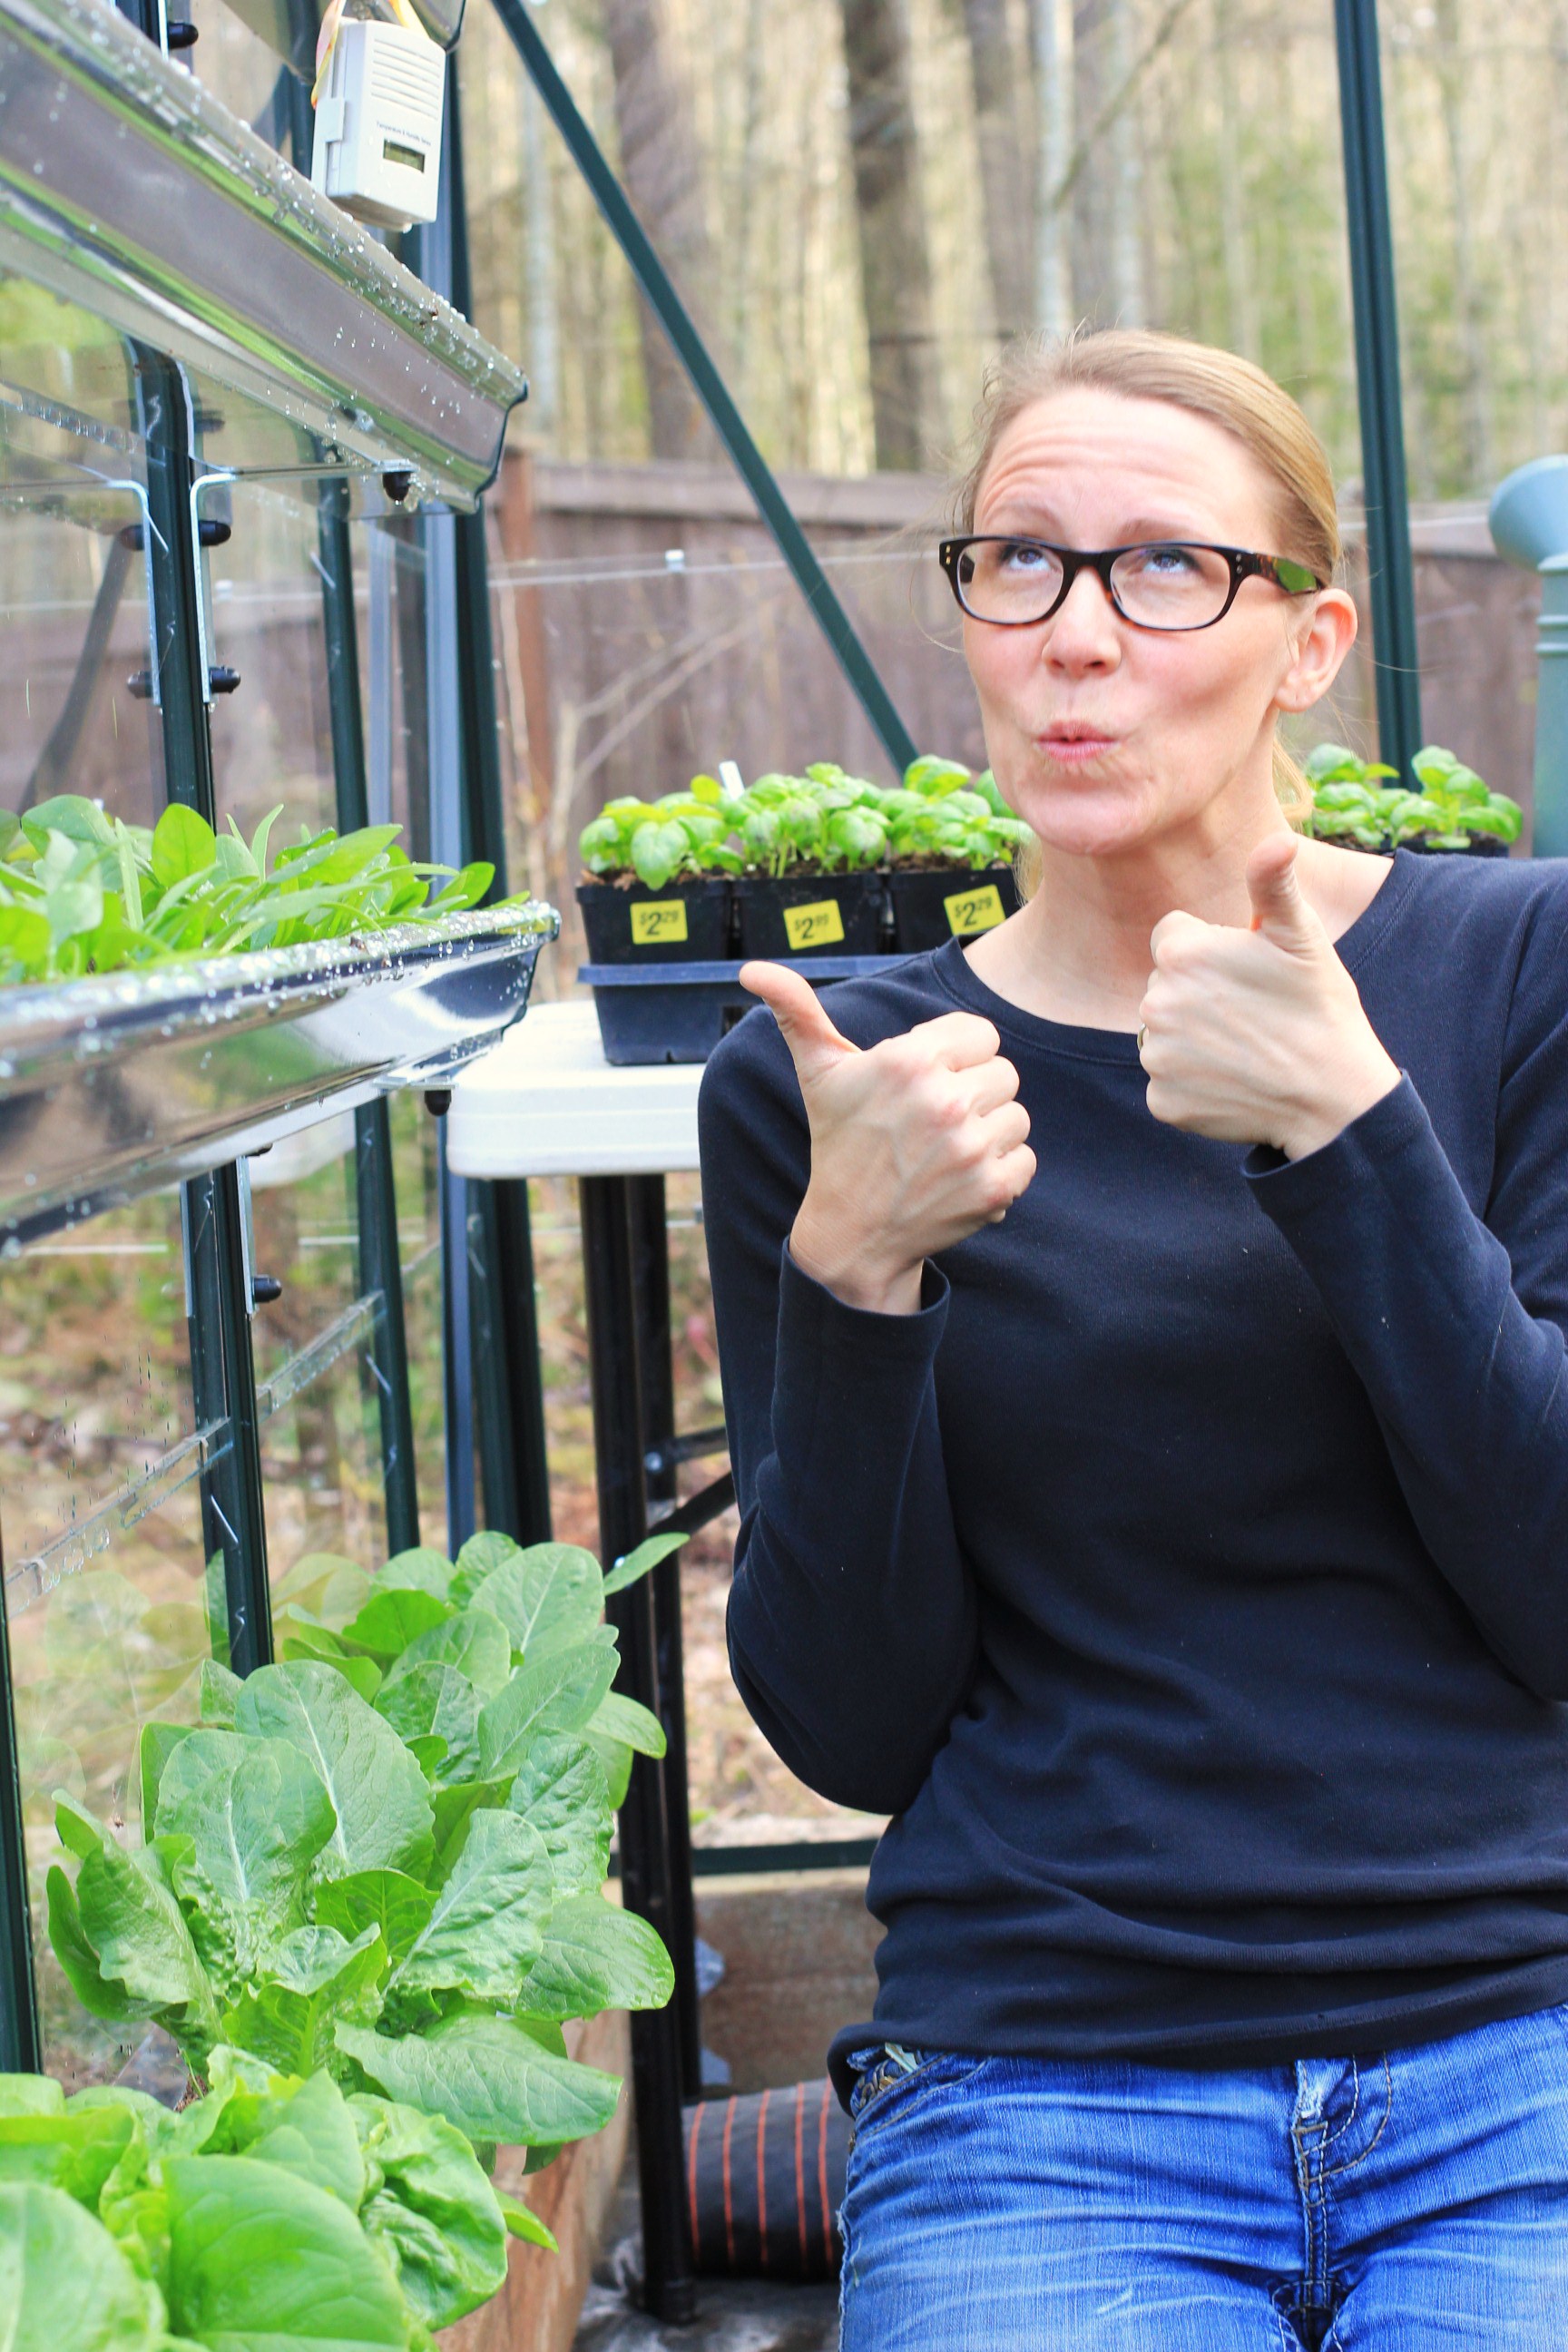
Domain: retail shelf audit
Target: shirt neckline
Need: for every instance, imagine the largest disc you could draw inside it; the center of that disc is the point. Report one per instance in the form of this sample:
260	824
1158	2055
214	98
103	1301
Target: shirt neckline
1076	1042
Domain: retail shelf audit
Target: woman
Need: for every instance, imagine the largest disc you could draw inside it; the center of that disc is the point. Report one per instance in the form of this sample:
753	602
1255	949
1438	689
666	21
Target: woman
1142	1344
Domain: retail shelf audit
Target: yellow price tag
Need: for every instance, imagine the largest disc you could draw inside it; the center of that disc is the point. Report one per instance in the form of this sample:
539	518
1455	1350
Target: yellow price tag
659	920
969	911
817	925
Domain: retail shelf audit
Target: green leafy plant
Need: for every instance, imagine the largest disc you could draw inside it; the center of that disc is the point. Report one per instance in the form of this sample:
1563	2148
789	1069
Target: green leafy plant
1352	805
276	2212
383	1854
685	835
824	820
83	892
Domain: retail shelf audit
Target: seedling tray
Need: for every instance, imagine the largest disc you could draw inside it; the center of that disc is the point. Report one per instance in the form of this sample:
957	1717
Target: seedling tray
678	1011
112	1087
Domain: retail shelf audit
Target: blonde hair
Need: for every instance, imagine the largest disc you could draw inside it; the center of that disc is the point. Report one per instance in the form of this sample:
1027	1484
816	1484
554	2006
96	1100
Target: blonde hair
1138	364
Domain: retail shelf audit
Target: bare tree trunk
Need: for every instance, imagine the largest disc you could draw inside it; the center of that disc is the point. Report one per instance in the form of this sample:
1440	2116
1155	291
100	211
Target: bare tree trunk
1126	161
1003	165
660	164
1240	284
1092	266
1476	404
895	267
1051	27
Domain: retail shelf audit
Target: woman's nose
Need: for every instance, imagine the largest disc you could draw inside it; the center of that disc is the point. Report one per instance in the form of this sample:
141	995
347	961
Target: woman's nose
1084	632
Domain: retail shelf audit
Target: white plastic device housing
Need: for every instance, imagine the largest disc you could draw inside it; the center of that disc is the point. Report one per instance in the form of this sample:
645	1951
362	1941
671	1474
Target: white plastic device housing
377	147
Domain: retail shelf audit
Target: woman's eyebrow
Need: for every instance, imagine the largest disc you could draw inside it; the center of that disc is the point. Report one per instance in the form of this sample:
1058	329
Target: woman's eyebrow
1140	531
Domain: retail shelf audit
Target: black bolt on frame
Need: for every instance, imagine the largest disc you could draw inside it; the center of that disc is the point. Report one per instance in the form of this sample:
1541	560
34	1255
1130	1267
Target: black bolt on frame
670	2288
709	384
1389	573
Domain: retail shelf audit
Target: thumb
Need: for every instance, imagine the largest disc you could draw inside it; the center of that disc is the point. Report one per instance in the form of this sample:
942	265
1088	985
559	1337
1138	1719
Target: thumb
1279	907
814	1043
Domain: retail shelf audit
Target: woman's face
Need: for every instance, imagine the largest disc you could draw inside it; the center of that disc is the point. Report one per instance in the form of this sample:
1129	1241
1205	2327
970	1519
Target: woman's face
1107	738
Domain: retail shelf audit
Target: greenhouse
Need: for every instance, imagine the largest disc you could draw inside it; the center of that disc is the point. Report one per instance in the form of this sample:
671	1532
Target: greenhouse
781	1306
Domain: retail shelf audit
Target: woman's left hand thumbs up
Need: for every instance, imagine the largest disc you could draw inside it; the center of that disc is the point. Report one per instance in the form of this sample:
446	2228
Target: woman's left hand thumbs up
1258	1036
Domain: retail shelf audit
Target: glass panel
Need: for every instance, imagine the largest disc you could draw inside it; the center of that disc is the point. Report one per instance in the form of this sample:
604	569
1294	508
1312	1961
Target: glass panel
109	1605
271	736
314	1347
76	712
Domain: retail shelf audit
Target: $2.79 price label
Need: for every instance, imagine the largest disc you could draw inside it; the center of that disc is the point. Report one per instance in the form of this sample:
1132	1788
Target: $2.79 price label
657	921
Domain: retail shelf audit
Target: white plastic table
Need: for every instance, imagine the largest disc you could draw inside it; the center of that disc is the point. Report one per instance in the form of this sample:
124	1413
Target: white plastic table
544	1102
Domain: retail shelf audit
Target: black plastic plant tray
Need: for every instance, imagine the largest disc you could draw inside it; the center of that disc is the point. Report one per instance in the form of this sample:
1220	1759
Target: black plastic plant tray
112	1087
678	1011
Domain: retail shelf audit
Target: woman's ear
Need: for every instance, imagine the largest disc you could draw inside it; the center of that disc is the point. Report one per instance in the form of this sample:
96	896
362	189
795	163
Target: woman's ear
1318	651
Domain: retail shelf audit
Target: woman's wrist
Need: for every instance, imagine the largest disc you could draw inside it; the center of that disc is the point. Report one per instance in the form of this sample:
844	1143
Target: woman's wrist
838	1258
1351	1092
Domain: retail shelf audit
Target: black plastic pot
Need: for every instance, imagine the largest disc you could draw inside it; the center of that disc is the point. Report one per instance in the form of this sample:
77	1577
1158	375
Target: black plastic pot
689	922
810	914
1479	844
930	908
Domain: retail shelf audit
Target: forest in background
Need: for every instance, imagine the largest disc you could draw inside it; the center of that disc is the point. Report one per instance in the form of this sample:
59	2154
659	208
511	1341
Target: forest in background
860	198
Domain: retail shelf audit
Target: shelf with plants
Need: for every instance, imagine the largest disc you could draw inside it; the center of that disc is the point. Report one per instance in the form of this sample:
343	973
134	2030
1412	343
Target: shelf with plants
824	868
362	1896
173	998
127	188
1450	812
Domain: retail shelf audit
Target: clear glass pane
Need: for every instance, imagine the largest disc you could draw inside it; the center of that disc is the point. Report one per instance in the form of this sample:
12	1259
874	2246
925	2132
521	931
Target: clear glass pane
315	1348
109	1604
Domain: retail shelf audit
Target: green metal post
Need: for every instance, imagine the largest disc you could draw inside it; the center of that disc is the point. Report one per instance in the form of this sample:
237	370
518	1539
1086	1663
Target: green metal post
21	2046
1390	572
709	384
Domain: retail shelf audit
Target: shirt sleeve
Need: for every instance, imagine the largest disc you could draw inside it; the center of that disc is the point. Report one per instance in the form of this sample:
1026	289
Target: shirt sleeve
852	1623
1455	1322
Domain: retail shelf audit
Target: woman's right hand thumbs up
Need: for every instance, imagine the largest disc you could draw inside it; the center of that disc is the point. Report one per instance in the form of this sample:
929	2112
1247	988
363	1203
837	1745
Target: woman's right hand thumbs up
916	1143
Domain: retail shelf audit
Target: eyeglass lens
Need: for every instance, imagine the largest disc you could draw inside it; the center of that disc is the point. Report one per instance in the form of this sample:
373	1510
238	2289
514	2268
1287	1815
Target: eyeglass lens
1166	587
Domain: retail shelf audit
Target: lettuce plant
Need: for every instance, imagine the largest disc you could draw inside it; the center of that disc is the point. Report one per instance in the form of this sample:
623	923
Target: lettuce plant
276	2212
383	1854
1350	803
80	891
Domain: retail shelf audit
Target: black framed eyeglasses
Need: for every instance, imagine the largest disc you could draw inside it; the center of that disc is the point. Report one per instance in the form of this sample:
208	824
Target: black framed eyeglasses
1014	583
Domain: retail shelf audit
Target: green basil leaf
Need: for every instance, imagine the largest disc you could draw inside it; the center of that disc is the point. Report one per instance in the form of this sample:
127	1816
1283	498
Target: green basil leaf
636	1564
474	1641
394	1617
314	1977
619	1718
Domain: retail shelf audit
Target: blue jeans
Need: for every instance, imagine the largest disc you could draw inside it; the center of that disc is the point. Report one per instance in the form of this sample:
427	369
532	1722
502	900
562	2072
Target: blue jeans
1409	2200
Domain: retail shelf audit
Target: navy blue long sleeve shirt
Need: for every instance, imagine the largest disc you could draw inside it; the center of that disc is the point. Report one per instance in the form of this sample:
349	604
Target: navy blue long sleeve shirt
1189	1577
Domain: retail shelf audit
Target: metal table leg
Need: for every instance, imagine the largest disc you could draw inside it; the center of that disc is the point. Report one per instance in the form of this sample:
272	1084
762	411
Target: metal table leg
656	1381
670	2286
